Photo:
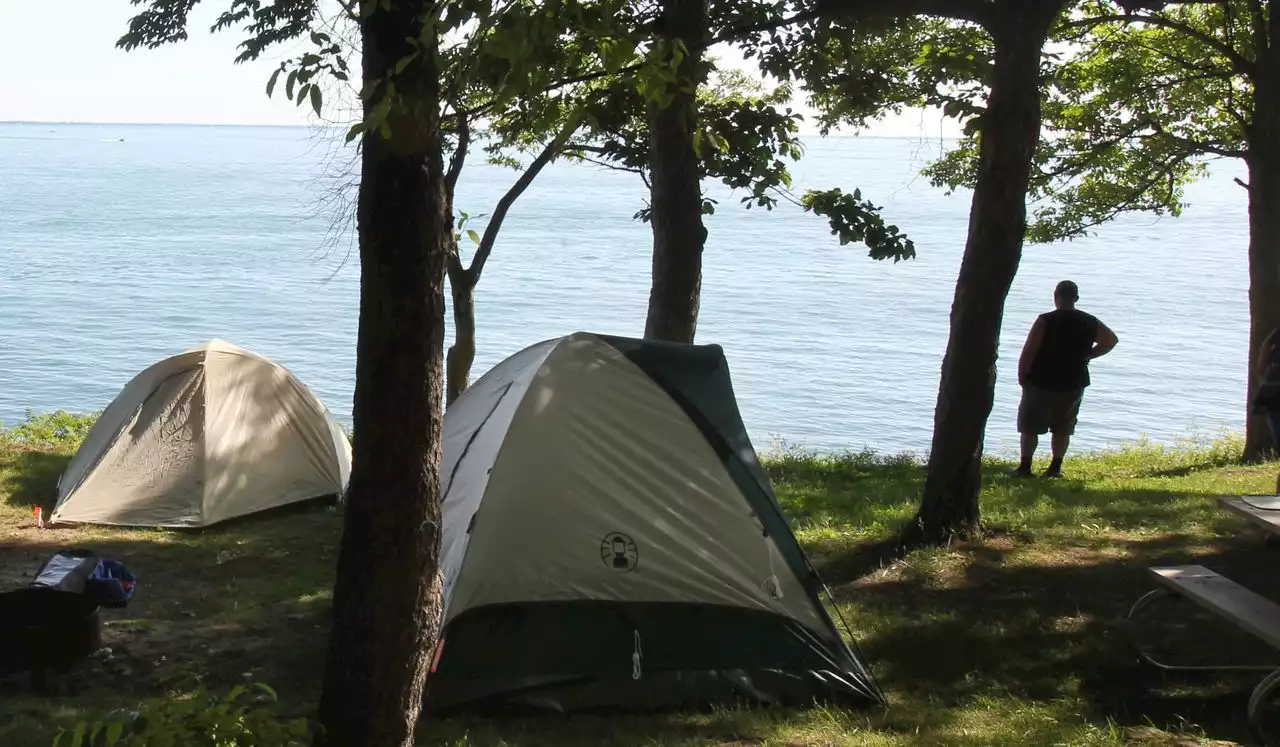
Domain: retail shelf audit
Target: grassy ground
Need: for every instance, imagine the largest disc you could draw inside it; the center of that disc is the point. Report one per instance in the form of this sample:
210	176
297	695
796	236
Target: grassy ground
1016	639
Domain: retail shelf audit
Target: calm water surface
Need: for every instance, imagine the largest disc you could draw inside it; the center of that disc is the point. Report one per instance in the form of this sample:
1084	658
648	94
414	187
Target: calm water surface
120	245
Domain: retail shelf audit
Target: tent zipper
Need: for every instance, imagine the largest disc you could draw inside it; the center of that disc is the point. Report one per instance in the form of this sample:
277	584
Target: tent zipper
636	655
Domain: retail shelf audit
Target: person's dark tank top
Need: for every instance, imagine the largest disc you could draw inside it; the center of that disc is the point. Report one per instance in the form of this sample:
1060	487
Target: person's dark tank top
1272	374
1062	363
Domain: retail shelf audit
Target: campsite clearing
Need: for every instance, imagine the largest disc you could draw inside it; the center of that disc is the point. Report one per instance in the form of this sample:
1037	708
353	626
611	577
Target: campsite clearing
1012	640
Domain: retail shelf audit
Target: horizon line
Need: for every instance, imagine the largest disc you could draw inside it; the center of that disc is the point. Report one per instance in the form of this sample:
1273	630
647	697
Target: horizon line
40	122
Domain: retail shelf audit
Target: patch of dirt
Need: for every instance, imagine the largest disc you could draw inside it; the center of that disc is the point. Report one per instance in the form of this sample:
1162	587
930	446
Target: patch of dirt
1151	737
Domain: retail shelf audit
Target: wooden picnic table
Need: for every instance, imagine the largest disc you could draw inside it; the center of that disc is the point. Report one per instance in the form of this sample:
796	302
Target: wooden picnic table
1229	600
1260	510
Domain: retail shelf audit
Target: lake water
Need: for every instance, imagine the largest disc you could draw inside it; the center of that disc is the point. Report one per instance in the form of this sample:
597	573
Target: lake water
120	245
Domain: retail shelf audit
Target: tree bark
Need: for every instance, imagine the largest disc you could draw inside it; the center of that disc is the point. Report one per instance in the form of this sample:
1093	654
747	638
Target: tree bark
1263	161
997	227
462	353
675	190
387	597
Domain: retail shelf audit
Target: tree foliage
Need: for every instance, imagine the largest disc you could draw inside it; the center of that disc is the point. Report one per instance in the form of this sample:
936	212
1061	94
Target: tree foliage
1136	104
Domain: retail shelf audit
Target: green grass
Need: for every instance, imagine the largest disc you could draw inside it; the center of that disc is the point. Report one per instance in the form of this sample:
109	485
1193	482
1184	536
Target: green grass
1012	639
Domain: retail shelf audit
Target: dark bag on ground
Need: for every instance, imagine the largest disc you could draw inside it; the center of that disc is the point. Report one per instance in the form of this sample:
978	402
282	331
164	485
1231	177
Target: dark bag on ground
107	582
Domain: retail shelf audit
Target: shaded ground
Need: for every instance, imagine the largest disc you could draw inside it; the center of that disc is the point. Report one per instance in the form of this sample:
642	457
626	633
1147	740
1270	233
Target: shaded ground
1016	639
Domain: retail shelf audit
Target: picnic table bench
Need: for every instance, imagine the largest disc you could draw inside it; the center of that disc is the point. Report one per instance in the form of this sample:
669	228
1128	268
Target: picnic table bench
1228	600
1260	510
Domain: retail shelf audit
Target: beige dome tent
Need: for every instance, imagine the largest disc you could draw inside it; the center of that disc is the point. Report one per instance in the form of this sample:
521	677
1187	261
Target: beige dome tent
204	436
611	541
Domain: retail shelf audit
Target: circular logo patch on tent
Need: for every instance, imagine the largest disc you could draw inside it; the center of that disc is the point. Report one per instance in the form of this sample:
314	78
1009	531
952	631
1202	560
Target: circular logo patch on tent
619	552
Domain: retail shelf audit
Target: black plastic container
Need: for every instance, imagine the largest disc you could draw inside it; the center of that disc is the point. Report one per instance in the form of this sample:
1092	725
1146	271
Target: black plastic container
43	630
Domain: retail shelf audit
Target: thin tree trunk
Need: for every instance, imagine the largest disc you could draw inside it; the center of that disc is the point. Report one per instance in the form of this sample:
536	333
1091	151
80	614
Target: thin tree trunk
675	189
386	600
1263	161
462	353
997	226
463	279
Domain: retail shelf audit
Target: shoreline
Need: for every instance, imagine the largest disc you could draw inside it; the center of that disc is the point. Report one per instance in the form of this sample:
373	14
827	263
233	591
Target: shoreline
61	428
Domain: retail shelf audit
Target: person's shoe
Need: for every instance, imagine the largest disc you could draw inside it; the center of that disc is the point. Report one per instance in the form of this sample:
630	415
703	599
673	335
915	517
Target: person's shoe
1053	474
1021	472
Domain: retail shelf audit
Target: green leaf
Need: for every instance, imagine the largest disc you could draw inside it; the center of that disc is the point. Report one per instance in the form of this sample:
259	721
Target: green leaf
77	738
315	99
267	689
114	730
475	237
380	110
405	62
302	91
289	84
271	82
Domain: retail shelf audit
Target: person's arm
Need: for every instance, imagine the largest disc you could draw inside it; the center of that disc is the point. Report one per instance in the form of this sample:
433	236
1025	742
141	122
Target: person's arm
1103	342
1029	350
1265	351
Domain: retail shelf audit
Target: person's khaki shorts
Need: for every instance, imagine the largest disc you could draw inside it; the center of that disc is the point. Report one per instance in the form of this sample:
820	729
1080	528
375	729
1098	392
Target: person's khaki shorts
1042	411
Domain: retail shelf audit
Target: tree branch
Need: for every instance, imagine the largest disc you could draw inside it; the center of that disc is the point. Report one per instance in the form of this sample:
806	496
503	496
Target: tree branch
1163	170
459	158
349	8
975	11
606	164
1259	23
1196	146
599	150
1237	60
736	33
500	211
554	86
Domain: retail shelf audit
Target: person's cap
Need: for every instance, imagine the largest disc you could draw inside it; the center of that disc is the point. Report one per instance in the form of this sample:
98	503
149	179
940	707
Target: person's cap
1067	289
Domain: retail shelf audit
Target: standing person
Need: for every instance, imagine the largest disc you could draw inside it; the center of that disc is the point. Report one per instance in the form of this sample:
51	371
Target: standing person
1266	401
1053	373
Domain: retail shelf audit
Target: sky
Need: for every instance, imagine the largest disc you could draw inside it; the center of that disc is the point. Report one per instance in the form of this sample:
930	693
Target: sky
61	65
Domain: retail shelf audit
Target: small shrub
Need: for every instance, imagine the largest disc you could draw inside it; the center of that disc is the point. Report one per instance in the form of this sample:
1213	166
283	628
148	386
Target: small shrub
242	717
48	430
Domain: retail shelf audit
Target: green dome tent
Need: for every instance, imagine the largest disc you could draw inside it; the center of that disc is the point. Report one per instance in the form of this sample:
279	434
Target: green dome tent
610	540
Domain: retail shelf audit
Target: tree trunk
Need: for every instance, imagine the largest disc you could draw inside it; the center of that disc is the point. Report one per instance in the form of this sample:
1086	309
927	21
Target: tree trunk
386	600
997	226
675	192
462	353
1264	237
462	279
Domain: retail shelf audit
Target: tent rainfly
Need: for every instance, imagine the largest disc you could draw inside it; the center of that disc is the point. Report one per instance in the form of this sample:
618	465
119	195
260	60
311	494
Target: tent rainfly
610	541
207	435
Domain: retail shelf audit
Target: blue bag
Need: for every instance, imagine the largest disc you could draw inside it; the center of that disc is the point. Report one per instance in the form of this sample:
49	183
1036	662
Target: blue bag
105	581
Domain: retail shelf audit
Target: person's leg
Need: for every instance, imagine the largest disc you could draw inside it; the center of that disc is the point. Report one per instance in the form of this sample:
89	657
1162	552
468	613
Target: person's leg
1029	443
1066	412
1060	443
1031	423
1273	424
